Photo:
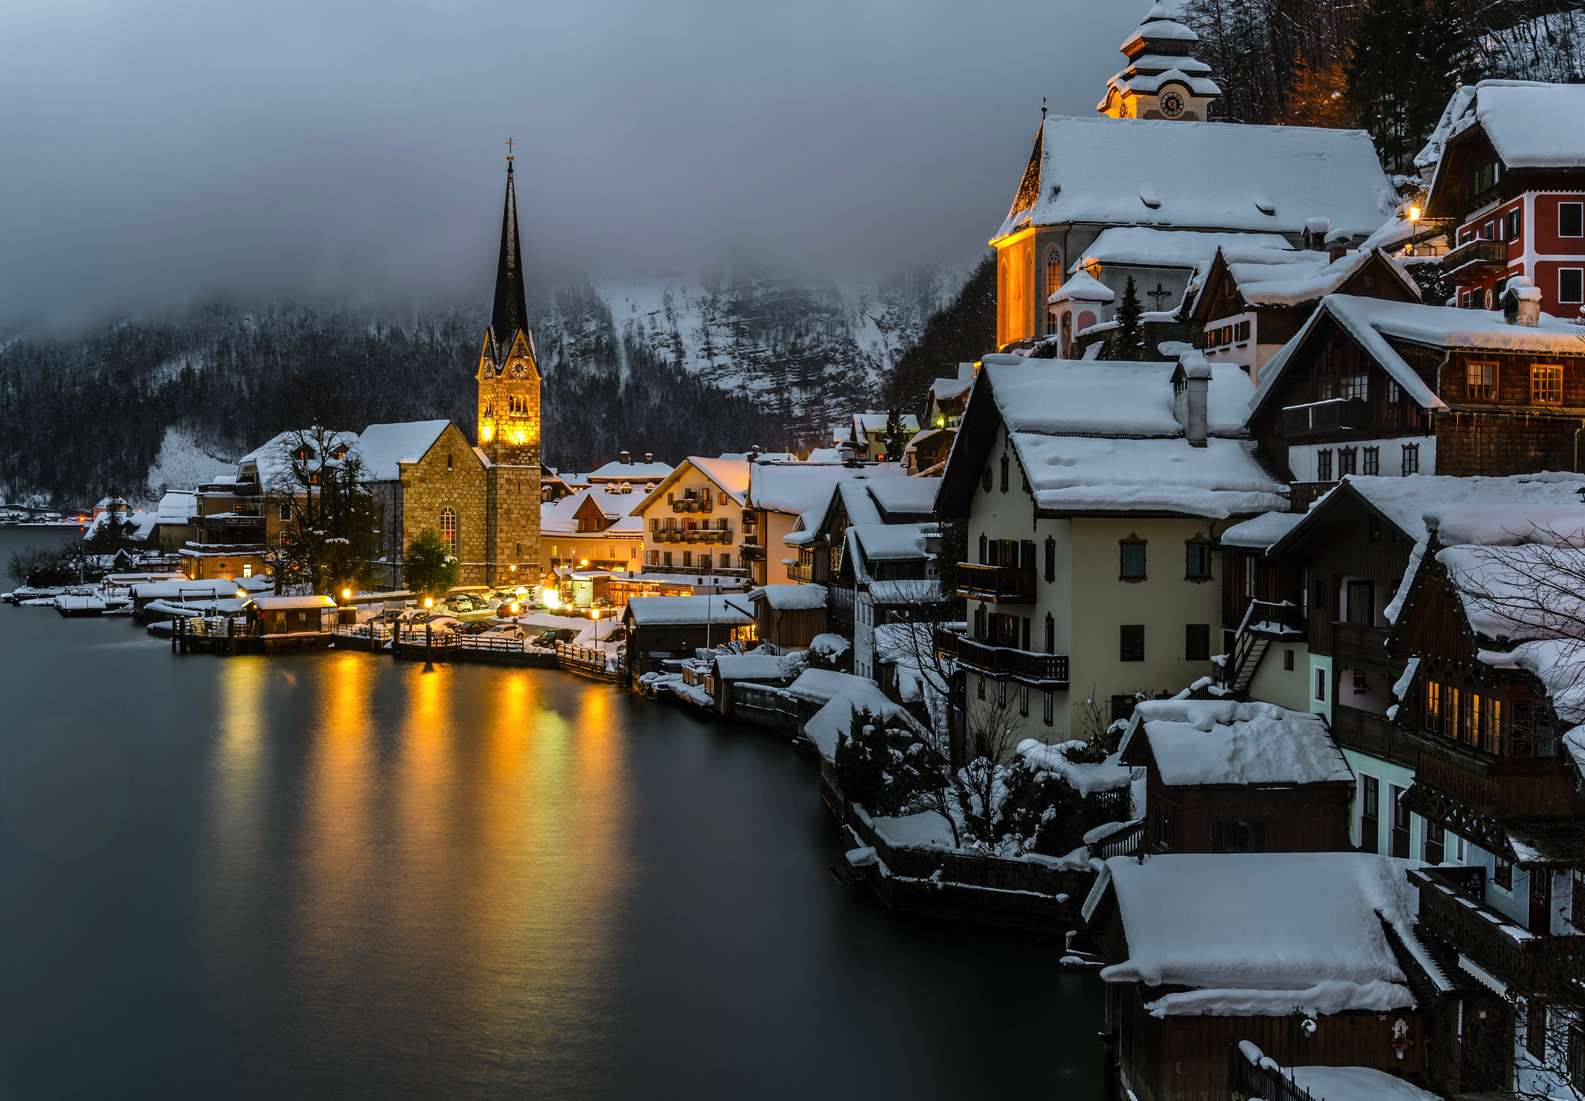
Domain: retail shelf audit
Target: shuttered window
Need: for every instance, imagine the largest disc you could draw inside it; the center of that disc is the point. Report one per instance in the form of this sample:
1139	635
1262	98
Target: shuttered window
1132	642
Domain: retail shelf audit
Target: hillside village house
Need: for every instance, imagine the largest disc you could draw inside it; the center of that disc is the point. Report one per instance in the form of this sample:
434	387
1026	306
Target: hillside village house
864	434
695	521
1150	167
1505	166
1094	493
782	494
594	528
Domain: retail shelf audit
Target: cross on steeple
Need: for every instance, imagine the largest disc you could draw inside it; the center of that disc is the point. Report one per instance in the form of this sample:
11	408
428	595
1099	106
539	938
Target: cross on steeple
509	144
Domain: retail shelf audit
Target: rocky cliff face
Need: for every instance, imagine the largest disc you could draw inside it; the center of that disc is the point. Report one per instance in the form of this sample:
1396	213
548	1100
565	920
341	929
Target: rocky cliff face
677	364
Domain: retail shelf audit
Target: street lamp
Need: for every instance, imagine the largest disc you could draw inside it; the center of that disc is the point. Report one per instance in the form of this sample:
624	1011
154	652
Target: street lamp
1414	214
346	594
429	602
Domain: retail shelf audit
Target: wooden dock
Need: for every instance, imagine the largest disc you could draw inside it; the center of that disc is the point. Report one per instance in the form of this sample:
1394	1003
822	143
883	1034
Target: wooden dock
228	637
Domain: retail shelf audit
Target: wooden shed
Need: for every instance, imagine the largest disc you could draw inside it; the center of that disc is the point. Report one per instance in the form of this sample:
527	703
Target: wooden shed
790	616
660	628
292	615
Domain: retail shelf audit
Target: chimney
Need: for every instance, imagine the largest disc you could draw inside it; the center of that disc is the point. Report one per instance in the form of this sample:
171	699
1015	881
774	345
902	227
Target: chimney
1315	231
753	453
649	457
626	459
1521	302
1192	382
1337	244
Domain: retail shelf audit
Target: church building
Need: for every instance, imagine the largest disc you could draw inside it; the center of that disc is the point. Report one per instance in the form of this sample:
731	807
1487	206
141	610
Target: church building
1150	189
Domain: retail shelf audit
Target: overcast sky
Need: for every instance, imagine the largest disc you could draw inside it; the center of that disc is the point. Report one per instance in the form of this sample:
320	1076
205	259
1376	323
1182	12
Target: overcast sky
157	152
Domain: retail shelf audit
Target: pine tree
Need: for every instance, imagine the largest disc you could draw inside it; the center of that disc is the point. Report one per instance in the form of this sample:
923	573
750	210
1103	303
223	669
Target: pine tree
1128	337
896	436
1318	96
1402	67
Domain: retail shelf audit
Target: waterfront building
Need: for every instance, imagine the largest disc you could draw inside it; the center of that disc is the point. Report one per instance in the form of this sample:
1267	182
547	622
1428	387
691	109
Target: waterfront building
593	528
695	520
782	494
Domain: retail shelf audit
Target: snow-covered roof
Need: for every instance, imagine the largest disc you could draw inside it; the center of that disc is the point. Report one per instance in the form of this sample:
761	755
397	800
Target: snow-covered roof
292	603
617	471
190	590
1081	286
272	459
383	446
1530	124
835	719
1261	934
1090	397
823	685
756	666
1370	320
892	542
1355	1084
1292	277
1172	248
1408	501
1198	175
561	516
902	496
824	455
1518	593
944	388
176	506
730	475
806	487
690	611
791	598
1260	532
1228	742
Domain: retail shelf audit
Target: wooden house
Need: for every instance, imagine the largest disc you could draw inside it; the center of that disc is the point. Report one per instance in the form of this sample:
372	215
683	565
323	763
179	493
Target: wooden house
1309	956
1395	388
291	615
1230	777
790	616
663	628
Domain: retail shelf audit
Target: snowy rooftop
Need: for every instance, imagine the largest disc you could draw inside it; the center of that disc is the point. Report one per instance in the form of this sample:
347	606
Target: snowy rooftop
1531	125
1081	286
1260	532
754	666
1290	277
1111	171
690	611
1408	501
1514	593
730	475
292	603
806	487
629	472
176	506
1259	934
1172	248
1228	742
901	496
892	542
1091	397
791	598
383	446
561	516
272	458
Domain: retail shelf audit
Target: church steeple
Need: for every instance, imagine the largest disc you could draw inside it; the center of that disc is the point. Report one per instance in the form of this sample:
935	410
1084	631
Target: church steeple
510	315
1163	80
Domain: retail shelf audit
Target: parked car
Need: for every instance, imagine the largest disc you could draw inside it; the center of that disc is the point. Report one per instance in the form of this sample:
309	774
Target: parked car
549	639
506	630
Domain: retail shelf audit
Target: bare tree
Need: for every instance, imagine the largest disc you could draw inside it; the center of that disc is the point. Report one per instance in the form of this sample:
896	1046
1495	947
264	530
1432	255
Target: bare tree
990	735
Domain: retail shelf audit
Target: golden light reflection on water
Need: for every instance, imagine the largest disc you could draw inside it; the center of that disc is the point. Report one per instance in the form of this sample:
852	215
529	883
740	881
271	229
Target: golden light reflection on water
451	842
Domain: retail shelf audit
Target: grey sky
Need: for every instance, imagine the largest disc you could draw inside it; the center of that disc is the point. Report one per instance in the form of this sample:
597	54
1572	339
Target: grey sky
166	150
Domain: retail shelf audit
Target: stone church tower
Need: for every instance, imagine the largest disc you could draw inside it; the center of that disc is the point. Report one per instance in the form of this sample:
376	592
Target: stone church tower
509	425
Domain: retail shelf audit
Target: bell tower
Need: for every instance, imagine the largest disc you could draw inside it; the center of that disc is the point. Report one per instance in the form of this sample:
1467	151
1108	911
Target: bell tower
1163	80
508	420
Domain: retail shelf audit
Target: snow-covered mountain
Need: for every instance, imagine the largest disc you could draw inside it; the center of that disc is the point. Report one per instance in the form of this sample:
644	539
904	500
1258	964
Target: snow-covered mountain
675	364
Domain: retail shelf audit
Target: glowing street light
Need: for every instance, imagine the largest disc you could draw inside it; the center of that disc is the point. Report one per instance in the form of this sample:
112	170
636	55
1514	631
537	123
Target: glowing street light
1414	214
429	602
346	594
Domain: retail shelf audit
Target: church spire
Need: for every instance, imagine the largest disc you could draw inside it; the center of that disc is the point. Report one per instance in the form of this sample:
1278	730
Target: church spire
510	314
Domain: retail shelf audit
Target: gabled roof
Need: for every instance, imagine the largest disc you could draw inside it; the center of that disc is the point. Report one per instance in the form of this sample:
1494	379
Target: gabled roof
1530	124
690	611
1146	246
617	471
382	447
1370	321
1173	173
1294	277
729	475
806	487
272	458
1201	742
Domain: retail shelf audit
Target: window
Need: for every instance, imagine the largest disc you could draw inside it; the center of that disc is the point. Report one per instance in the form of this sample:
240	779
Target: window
1369	812
1132	636
1410	453
1435	843
1361	609
1570	284
286	510
1051	634
1048	707
449	466
1347	461
984	543
1571	219
1249	577
1546	385
1576	913
1001	693
1513	223
1480	381
1238	837
1132	559
1502	873
1051	559
1372	462
1576	1056
1164	824
725	500
1375	529
448	528
247	569
667	556
1004	473
980	687
1287	661
1535	1028
1320	685
985	482
687	558
1196	642
1356	387
1323	465
1400	823
1053	280
1023	700
1196	560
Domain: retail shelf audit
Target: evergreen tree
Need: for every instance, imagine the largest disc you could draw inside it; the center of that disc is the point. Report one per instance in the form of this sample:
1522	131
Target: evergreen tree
896	436
429	568
1318	95
961	333
1128	337
1402	67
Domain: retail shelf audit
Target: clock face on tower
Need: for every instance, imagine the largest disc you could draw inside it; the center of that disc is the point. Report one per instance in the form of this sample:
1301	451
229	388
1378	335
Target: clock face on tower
1172	104
518	370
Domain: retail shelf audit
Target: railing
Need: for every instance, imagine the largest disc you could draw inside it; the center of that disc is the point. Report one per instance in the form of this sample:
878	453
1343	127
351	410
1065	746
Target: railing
1451	905
1249	1079
1354	644
693	504
1126	841
591	662
218	627
797	571
996	583
697	535
1002	660
1334	415
1475	253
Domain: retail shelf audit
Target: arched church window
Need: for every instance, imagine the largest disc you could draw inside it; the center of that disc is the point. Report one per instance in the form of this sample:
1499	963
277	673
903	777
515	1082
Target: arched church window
448	528
1053	280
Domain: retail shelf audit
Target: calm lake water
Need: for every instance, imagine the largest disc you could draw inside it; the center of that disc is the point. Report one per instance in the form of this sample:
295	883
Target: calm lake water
335	875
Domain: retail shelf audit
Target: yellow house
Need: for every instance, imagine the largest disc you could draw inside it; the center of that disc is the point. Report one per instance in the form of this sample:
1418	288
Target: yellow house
1094	494
695	521
593	529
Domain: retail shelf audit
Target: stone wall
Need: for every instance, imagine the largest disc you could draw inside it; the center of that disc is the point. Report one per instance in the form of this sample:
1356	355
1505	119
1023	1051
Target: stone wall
451	475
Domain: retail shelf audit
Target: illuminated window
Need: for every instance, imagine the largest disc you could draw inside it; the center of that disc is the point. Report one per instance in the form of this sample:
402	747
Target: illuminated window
1480	381
448	528
1546	385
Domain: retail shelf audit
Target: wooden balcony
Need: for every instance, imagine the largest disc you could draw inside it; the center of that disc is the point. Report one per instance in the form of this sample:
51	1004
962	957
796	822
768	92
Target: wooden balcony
1320	417
799	571
1513	787
1355	645
1468	260
1452	906
1372	735
692	504
1046	670
998	584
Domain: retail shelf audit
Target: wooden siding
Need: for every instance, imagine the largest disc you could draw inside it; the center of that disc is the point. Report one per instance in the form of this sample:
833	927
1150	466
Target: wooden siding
1347	550
1497	443
1300	818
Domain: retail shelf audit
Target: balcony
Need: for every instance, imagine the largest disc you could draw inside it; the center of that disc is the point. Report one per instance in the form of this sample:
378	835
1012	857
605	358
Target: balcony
799	571
1047	670
1469	259
692	504
1452	776
1452	907
1357	644
1320	417
998	584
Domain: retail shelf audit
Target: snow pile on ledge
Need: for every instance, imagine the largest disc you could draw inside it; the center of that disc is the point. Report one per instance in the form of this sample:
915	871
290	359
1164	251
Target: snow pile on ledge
1227	742
835	719
791	598
1262	934
1085	473
1260	532
1339	1083
1086	779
